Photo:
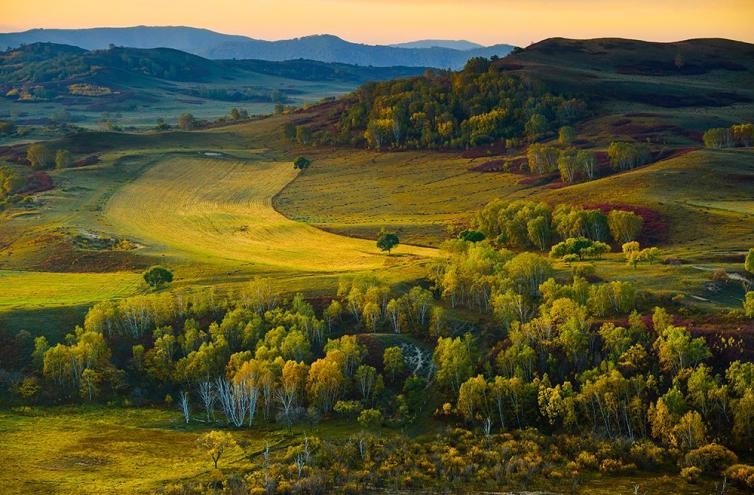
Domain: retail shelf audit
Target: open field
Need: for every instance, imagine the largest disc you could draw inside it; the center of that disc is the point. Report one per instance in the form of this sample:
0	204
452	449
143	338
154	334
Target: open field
219	211
44	289
97	450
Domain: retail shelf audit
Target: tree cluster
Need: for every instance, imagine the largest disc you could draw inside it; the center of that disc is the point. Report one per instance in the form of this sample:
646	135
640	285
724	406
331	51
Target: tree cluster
529	225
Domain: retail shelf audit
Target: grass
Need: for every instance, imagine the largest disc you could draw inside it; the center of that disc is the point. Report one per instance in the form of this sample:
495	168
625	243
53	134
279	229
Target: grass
220	212
87	450
99	450
46	289
209	218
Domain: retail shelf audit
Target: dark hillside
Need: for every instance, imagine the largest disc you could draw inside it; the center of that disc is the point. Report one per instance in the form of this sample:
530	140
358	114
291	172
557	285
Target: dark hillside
699	72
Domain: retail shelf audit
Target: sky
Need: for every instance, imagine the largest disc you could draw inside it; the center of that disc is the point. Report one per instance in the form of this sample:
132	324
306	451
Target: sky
519	22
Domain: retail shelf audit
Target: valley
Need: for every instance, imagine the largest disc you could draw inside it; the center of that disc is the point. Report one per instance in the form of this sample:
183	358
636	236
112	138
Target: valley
532	274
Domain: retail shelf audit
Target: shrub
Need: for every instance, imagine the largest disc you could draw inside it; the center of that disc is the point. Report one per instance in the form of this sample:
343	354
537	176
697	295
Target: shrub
586	460
615	466
647	455
370	418
710	458
741	474
691	474
348	408
301	163
471	236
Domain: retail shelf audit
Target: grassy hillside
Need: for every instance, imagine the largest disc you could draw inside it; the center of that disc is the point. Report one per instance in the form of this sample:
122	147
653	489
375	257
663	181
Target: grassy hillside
192	201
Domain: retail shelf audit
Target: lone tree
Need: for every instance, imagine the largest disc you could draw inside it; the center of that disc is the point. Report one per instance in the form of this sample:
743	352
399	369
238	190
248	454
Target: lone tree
387	241
186	121
215	443
157	276
471	236
301	163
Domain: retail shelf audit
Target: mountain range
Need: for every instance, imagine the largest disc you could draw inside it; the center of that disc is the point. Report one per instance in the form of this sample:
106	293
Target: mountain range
210	44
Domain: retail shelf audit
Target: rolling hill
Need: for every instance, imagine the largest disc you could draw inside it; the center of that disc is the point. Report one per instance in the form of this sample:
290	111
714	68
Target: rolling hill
209	44
135	79
697	72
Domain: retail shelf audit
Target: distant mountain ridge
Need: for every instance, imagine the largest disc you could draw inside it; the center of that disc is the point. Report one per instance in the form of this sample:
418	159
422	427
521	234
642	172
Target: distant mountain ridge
213	45
462	45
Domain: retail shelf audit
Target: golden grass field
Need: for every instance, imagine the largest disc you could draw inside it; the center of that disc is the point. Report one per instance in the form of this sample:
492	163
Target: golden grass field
220	212
44	289
100	451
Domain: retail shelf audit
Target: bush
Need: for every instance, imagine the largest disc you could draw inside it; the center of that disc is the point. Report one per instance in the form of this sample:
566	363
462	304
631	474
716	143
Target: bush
370	418
711	458
691	474
615	466
301	163
471	236
585	460
647	455
348	408
741	474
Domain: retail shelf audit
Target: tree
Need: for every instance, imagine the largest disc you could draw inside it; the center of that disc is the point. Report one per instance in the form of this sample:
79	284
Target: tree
566	135
366	380
186	121
586	164
215	443
453	359
742	134
676	349
625	156
370	418
536	126
528	271
579	246
393	362
473	399
292	386
157	276
386	241
567	165
539	231
625	226
40	156
717	138
372	315
542	158
90	382
332	313
749	262
301	163
63	159
325	383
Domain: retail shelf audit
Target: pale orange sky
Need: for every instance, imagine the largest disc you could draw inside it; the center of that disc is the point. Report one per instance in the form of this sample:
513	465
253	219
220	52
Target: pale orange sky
387	21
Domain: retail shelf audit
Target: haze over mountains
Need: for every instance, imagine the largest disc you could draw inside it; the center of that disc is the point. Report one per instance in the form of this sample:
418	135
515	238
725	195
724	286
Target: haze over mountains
213	45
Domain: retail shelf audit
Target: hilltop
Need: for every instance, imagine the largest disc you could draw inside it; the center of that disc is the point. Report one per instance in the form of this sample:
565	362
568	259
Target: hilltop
213	45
